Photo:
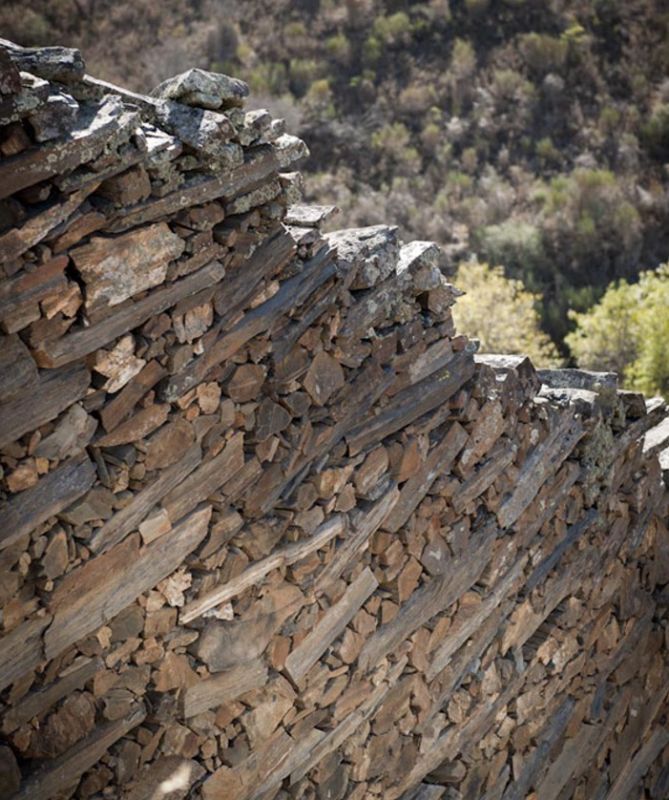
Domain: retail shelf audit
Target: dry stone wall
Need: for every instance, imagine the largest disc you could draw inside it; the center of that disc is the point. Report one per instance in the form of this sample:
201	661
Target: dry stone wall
269	528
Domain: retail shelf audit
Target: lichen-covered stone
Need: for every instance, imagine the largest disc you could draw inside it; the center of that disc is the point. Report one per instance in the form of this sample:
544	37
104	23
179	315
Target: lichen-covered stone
203	89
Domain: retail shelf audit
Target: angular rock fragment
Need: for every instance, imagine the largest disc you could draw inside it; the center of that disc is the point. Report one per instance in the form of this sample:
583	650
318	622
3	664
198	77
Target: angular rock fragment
203	89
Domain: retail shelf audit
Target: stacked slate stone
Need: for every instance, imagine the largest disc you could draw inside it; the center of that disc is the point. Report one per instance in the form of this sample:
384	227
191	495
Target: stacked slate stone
269	528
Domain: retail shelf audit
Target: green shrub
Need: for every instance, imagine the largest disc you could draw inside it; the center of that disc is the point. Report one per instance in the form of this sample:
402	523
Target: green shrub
416	99
628	331
655	133
508	84
338	47
25	26
372	50
516	244
319	99
294	30
609	120
547	151
269	78
302	73
501	313
543	53
477	6
393	28
463	59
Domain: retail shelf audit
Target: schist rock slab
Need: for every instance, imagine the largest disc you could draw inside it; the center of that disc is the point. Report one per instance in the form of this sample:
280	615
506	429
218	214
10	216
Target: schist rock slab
117	267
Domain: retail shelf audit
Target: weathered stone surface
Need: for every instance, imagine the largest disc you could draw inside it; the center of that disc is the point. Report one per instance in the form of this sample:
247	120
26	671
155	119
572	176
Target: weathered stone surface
263	720
10	80
155	525
309	216
55	117
373	252
141	424
54	492
18	371
246	382
119	365
56	556
169	444
98	126
39	224
62	64
172	776
271	419
97	504
208	133
290	149
203	89
71	722
10	774
128	188
258	197
115	268
73	432
323	378
578	379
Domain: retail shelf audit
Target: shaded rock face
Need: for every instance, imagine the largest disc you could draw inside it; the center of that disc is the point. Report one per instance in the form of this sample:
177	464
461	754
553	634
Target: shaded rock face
268	526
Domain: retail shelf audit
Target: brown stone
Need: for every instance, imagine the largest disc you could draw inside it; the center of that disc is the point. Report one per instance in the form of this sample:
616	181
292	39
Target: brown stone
119	365
71	722
209	397
246	382
174	673
117	267
173	774
137	427
169	444
55	558
323	378
23	477
127	188
271	418
155	525
10	774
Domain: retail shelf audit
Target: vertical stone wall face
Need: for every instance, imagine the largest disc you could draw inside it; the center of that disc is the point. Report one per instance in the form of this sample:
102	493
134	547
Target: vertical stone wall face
269	528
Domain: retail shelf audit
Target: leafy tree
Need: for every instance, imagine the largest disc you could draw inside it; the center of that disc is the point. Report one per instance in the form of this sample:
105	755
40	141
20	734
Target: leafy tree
501	313
628	332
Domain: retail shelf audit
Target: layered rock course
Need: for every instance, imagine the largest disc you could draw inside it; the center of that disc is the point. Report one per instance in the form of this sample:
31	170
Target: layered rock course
269	528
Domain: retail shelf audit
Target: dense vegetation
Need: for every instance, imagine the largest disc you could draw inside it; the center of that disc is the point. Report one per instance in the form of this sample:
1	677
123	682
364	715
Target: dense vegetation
530	133
628	332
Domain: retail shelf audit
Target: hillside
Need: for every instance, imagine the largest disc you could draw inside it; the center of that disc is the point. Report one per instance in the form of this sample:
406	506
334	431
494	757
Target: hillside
532	134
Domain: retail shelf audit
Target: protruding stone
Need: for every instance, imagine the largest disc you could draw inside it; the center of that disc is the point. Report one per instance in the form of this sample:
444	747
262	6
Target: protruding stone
62	64
203	89
373	252
205	132
55	118
290	149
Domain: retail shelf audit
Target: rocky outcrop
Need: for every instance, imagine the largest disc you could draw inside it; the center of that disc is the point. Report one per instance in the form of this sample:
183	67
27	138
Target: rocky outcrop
269	527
